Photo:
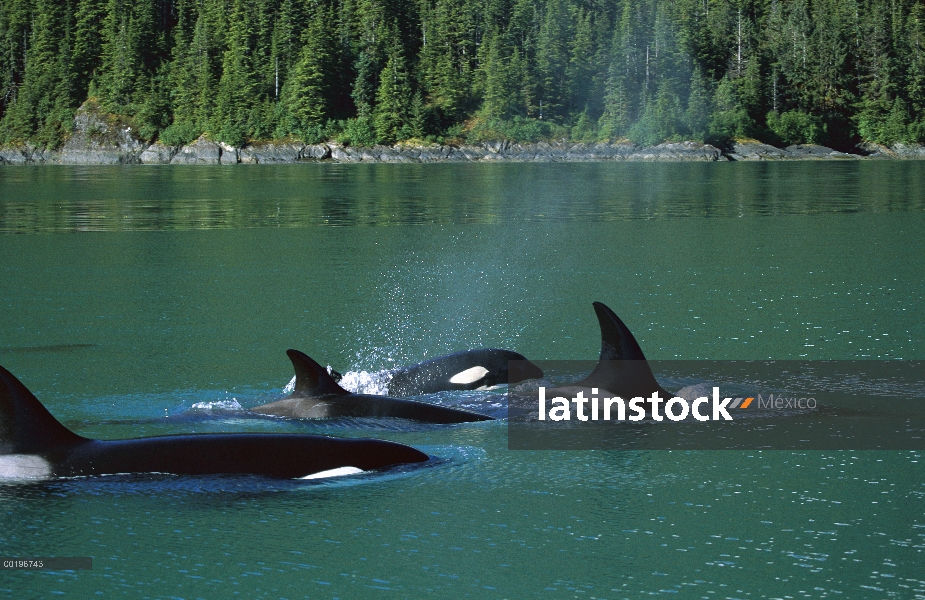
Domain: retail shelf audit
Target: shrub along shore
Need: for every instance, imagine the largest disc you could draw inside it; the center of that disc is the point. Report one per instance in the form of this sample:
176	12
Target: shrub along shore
98	138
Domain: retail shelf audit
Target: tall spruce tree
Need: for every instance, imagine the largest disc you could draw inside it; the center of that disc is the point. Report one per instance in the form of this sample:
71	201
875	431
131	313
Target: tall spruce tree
306	92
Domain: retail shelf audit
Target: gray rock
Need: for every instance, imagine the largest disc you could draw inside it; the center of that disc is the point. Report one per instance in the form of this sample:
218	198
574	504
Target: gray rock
472	154
813	151
429	155
158	154
753	150
200	152
339	154
678	151
874	151
100	139
498	147
316	152
913	151
228	154
17	155
39	155
270	153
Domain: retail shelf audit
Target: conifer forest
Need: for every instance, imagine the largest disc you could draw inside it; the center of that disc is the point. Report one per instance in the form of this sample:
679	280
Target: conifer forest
833	72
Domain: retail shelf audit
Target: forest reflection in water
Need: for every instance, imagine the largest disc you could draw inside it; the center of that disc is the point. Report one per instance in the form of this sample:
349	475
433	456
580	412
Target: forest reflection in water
50	199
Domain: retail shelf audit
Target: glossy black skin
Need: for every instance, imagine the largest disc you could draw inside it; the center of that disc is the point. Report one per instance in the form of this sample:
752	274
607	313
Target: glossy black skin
317	396
283	456
27	428
432	376
622	368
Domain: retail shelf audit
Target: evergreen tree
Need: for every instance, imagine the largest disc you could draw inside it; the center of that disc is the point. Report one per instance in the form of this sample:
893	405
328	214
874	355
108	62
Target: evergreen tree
306	91
495	81
393	100
552	61
730	119
88	42
237	88
42	106
618	113
447	57
194	71
697	115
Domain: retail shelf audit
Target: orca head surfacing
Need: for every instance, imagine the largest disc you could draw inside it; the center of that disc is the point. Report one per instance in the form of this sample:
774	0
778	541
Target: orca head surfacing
467	370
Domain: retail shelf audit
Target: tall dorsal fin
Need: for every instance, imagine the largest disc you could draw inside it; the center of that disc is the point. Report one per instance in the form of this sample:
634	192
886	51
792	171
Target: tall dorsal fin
617	342
622	368
311	379
26	427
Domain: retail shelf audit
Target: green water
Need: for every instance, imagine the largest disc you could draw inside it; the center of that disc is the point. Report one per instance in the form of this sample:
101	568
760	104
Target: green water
129	295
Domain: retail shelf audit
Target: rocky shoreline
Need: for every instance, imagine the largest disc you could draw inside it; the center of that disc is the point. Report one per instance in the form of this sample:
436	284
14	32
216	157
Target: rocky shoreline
98	141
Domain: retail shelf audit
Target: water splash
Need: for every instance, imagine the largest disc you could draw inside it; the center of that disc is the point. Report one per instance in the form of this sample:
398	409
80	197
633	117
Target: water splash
358	382
218	405
367	382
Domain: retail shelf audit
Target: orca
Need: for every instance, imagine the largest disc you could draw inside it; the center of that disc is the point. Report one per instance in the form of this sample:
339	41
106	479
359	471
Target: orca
622	369
317	396
34	445
467	370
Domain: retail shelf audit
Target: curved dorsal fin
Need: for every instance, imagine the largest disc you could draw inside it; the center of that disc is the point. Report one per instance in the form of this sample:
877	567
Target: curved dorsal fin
26	427
622	368
617	342
311	379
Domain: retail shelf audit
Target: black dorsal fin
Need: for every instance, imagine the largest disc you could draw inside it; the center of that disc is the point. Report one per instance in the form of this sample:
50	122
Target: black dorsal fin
26	427
622	368
311	379
617	342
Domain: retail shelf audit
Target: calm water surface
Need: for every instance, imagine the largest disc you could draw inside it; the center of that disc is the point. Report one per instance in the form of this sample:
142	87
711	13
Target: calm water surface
152	300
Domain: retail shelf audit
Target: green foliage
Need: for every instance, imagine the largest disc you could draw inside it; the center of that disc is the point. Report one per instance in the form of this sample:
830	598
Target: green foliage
179	134
305	94
584	129
796	127
523	129
392	116
917	131
697	115
151	111
827	71
730	119
661	120
357	132
883	126
315	134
